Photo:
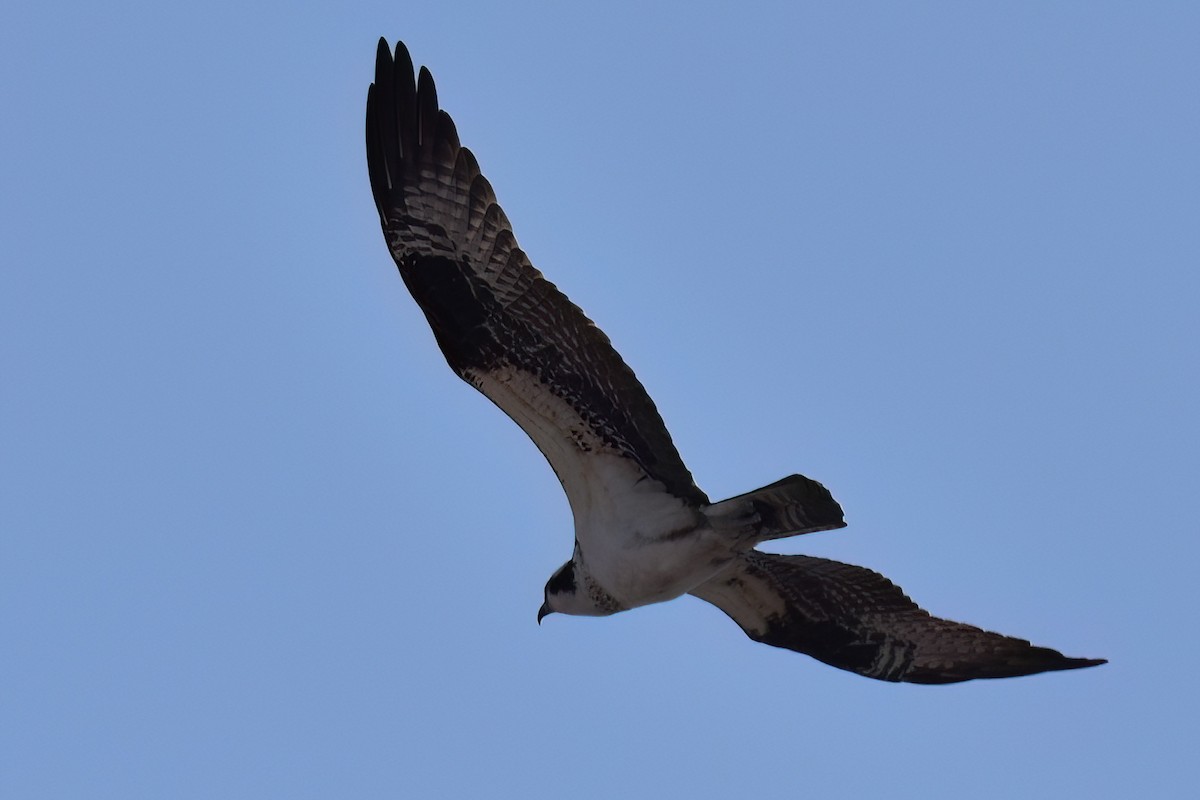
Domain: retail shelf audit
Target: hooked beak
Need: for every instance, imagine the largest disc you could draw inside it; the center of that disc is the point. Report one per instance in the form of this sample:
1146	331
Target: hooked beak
543	611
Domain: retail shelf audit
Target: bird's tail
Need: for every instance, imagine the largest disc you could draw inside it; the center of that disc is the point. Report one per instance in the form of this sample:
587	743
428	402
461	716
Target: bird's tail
789	507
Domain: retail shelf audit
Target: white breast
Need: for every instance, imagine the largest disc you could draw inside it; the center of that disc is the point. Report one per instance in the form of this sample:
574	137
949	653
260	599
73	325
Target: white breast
632	534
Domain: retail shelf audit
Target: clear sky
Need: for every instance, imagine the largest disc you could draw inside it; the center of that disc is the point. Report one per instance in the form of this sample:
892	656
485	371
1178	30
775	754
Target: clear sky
257	541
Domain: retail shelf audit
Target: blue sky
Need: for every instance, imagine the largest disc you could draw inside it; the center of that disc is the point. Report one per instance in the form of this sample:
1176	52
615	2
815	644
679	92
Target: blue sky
256	540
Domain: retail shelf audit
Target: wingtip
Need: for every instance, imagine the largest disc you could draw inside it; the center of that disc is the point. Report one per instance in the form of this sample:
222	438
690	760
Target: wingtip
426	88
388	60
1048	660
1035	663
427	108
1045	659
1080	663
402	58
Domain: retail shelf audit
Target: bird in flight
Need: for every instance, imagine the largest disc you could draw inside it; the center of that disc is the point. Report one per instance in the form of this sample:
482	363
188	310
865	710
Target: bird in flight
644	532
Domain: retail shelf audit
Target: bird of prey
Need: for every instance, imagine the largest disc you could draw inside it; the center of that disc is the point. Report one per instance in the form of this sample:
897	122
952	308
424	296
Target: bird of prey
644	532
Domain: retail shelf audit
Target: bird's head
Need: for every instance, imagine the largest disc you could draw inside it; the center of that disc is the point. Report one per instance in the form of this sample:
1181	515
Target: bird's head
566	594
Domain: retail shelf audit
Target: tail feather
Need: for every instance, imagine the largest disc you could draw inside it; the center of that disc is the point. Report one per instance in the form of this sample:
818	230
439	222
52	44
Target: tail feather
788	507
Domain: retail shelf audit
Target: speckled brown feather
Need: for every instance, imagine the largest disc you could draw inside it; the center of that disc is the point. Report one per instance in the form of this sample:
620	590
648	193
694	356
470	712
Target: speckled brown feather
855	619
489	308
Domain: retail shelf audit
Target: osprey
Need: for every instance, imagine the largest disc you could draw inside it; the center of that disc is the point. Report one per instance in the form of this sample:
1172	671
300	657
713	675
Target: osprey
644	532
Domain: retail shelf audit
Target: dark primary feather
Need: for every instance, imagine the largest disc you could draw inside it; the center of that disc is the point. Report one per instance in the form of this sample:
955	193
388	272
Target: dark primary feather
488	307
856	619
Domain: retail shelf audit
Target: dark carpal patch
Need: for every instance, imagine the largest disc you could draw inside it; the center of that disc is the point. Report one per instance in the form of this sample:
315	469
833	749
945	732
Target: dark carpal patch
836	644
460	312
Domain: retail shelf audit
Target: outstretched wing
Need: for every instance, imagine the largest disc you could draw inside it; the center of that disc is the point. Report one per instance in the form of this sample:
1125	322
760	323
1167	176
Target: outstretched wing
857	620
504	328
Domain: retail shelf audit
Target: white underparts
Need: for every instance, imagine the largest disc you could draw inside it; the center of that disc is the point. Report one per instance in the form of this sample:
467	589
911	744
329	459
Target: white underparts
640	543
